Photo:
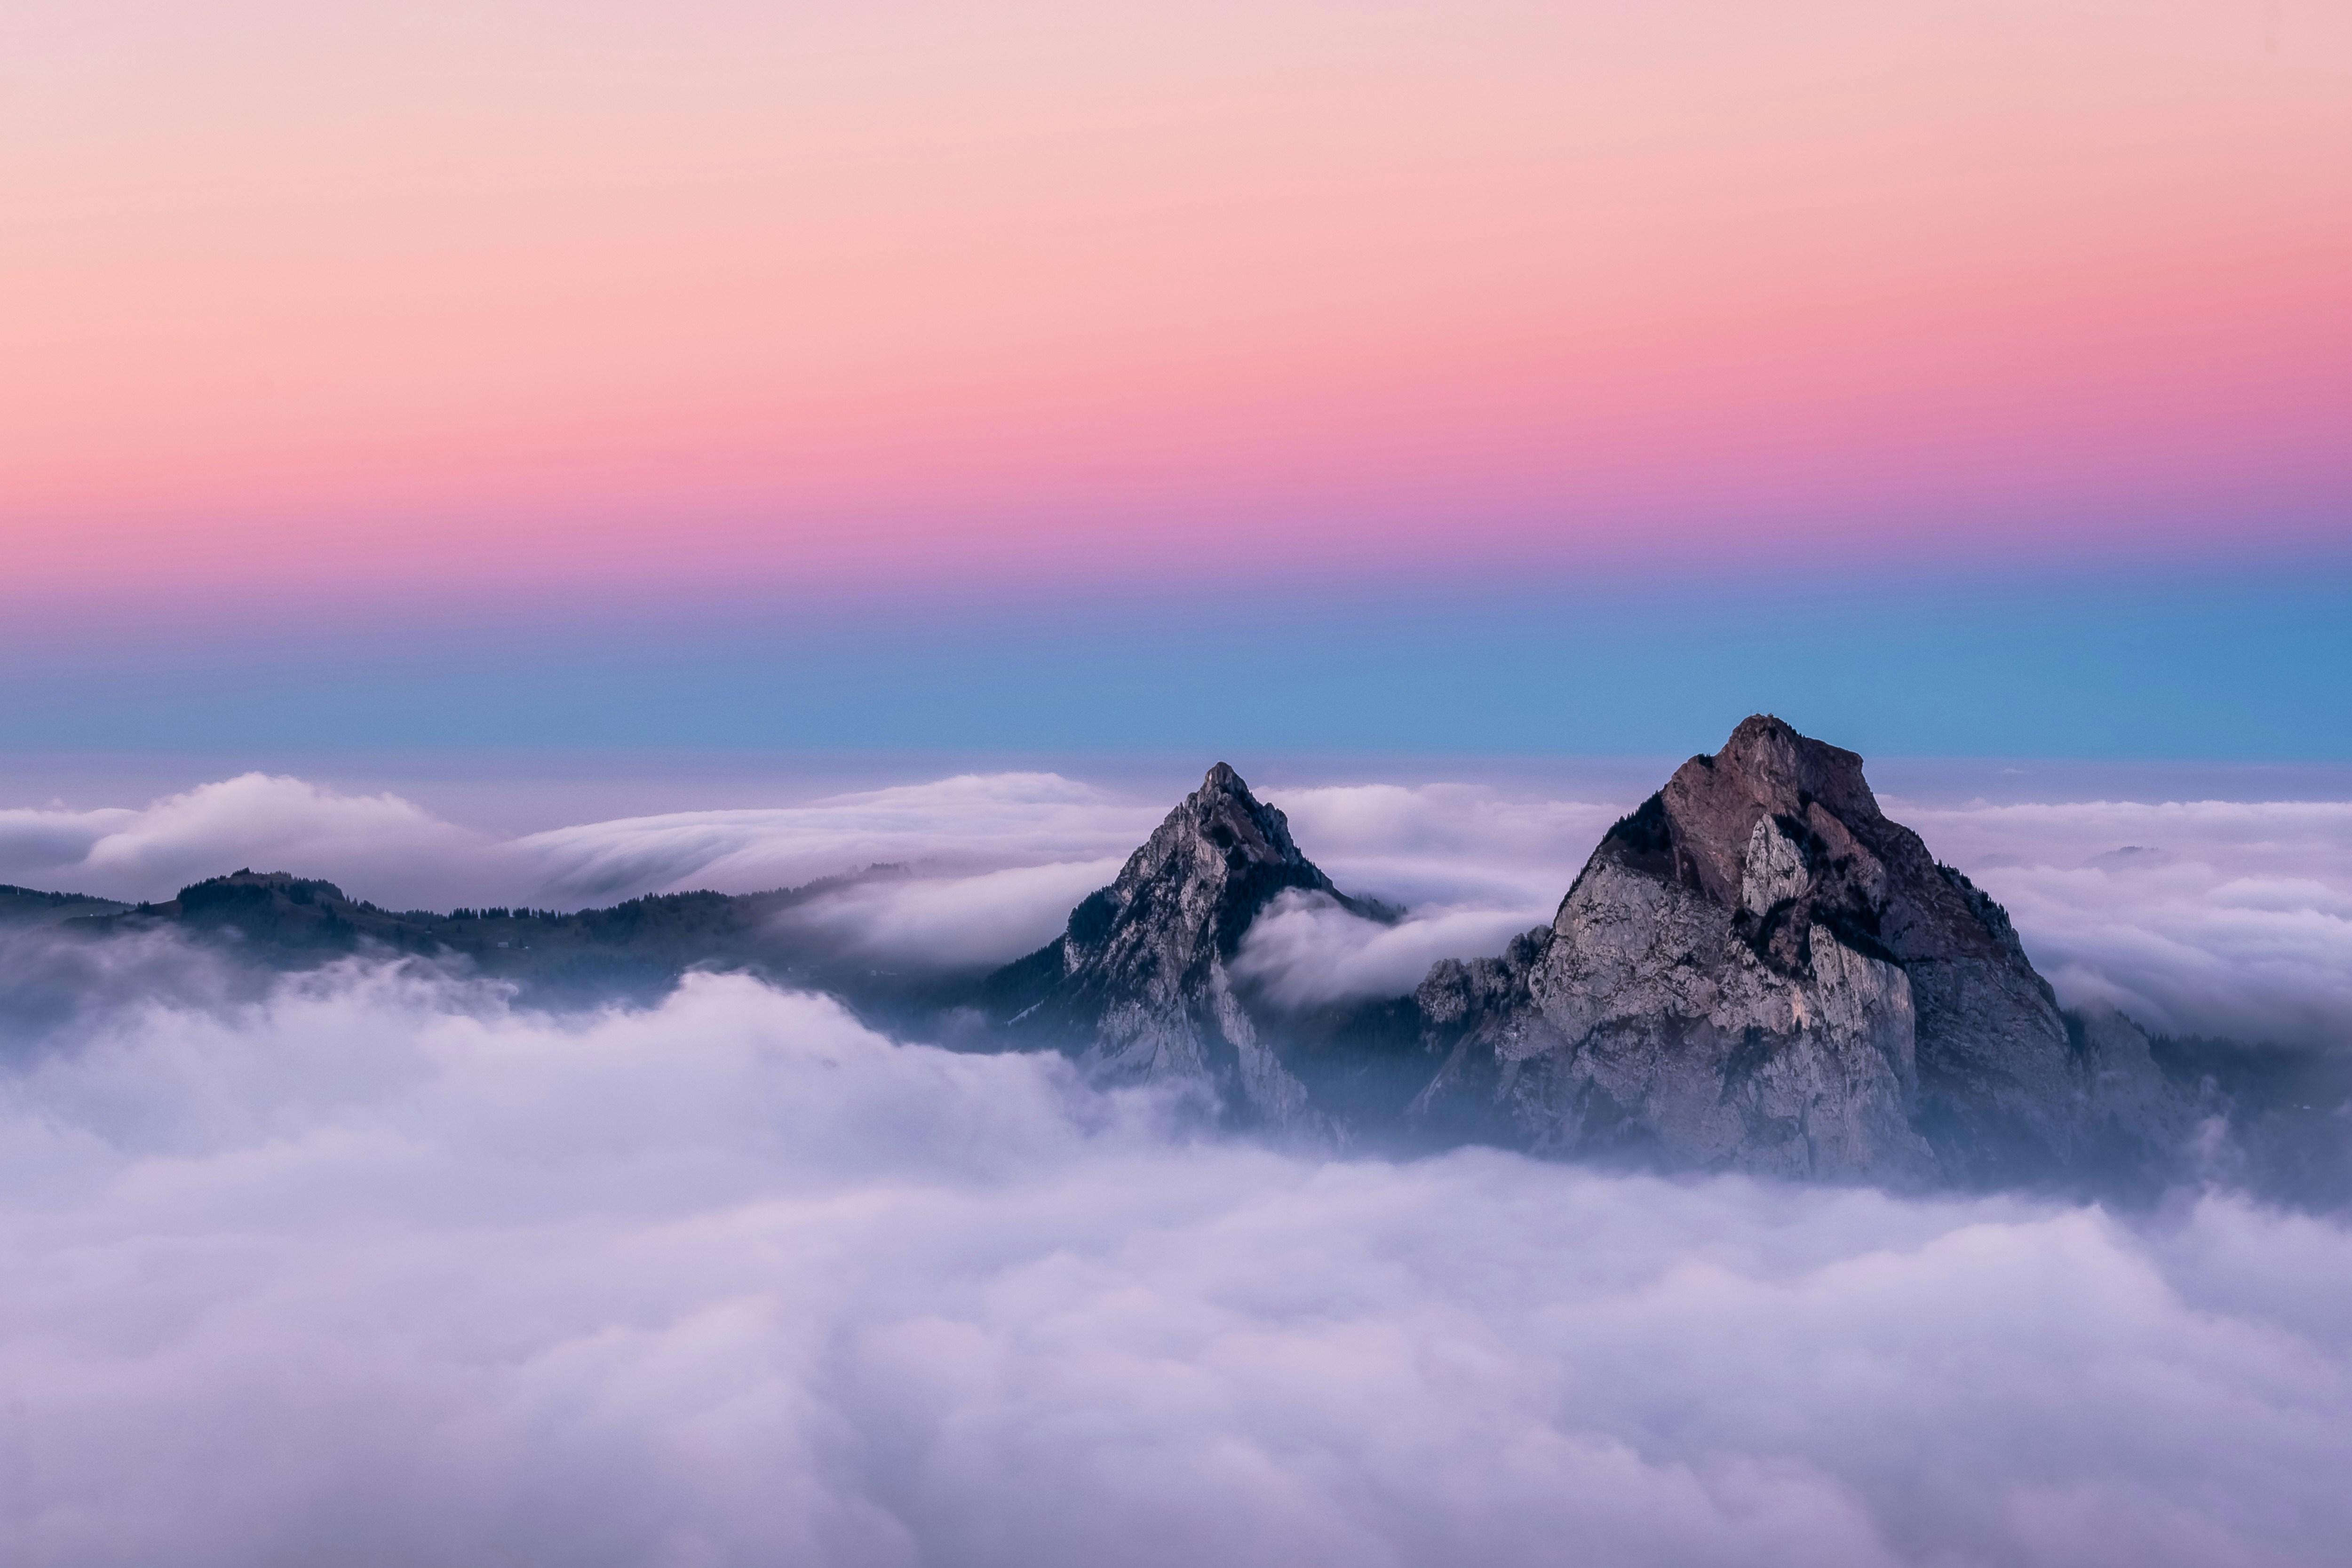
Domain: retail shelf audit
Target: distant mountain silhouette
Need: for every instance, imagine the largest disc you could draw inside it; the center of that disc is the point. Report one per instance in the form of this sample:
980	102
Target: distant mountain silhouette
638	949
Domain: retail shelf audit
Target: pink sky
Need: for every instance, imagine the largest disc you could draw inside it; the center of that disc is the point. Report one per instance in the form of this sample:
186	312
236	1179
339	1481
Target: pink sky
298	295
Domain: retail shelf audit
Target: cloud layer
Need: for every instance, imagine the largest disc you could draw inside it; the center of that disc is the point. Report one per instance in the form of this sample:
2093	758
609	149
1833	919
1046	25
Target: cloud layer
996	861
2221	917
1305	950
386	848
2218	917
372	1268
966	823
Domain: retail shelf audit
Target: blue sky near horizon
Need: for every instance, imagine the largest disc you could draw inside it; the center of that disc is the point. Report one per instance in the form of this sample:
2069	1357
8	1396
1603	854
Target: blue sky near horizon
2256	665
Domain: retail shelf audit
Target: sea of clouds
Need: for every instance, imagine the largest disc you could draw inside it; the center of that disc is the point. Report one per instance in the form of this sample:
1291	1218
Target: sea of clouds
371	1267
375	1265
2218	917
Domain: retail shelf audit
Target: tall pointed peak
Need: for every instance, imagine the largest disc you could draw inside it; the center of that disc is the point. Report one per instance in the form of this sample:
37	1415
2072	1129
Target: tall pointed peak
1139	972
1223	780
1224	815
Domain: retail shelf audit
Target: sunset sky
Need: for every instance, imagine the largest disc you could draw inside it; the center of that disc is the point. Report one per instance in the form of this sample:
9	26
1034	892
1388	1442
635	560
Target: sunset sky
1489	377
757	508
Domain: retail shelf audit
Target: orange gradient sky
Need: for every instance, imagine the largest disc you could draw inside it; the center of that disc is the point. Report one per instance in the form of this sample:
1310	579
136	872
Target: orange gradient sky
388	296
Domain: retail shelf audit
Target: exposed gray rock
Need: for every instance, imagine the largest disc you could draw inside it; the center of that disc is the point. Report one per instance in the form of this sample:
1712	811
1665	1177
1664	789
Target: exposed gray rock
1138	987
1757	969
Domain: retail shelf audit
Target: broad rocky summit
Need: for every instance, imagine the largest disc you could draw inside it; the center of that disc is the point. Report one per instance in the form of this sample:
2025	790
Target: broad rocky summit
1759	970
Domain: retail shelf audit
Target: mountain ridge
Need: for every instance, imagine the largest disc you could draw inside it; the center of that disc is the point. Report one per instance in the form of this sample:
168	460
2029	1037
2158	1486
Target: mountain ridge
1755	970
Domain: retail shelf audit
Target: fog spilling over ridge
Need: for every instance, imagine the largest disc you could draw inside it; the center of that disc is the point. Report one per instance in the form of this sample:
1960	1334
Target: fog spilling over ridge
2220	917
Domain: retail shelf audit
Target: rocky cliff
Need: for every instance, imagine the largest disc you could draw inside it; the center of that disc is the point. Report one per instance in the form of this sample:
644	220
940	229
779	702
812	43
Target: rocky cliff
1758	970
1138	985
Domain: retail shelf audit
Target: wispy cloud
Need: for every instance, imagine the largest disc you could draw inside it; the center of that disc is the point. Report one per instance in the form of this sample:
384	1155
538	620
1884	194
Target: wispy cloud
1459	844
1305	950
951	922
386	848
968	822
2222	916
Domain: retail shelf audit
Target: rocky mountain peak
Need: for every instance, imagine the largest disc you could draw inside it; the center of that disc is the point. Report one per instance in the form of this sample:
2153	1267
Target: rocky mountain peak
1220	824
1759	968
1756	970
1193	887
1709	822
1137	984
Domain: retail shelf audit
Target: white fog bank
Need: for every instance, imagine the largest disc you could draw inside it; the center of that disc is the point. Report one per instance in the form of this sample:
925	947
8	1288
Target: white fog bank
375	1269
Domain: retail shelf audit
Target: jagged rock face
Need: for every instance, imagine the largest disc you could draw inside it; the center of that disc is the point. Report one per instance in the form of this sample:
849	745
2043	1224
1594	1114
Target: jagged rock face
1138	983
1758	970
